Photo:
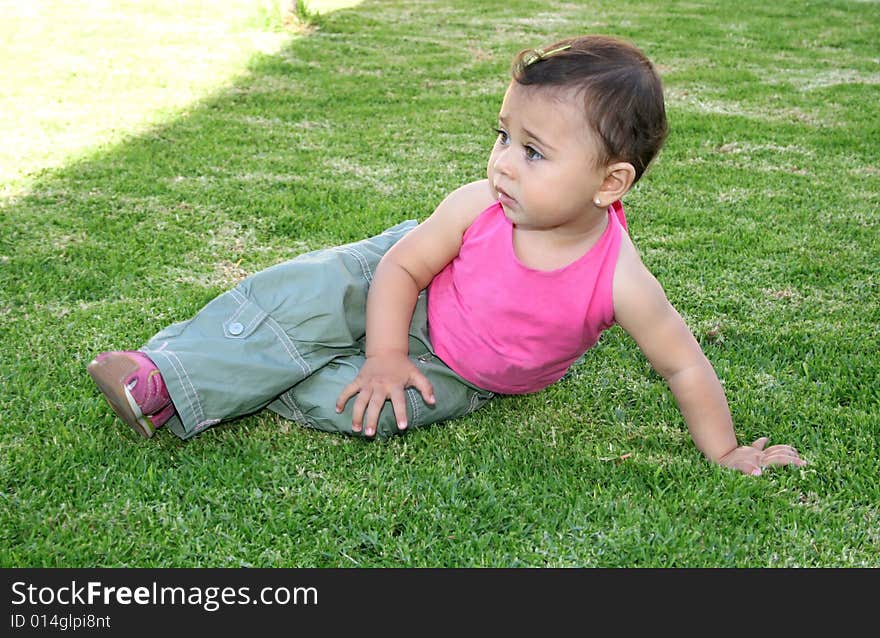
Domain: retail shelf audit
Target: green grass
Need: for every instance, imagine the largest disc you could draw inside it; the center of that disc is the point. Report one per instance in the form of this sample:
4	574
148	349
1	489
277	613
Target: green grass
140	182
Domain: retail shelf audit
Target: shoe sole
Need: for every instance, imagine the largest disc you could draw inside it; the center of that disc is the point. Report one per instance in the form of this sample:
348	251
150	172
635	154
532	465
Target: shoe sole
109	375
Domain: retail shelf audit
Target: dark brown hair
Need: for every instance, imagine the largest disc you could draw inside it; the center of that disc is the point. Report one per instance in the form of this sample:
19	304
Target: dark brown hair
622	93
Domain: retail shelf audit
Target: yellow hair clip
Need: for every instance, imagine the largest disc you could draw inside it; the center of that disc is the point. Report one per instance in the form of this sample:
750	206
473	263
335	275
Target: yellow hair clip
537	55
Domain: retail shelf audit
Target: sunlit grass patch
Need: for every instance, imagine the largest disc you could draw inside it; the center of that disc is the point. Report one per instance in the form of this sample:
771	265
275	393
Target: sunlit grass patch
125	67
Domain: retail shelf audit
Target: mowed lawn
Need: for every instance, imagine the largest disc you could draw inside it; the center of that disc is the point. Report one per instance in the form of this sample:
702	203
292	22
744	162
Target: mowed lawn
154	154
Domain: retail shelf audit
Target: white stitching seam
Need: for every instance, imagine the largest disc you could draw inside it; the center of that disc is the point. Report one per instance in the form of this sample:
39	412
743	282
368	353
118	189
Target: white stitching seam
242	305
366	271
257	319
279	332
288	345
199	412
349	249
201	426
196	412
298	415
245	303
414	404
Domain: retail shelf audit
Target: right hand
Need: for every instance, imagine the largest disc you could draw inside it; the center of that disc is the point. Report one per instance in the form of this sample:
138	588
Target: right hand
383	377
753	459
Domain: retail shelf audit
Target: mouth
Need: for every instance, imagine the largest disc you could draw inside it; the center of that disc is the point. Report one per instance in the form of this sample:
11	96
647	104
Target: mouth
504	197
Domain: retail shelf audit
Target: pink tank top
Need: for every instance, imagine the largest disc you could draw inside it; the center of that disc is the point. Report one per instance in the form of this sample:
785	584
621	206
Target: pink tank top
511	329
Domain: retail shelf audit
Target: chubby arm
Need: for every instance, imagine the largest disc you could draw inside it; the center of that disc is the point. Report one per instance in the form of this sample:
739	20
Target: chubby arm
643	311
406	269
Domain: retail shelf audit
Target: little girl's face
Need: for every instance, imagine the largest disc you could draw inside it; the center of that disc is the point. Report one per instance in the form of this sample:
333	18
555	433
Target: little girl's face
543	165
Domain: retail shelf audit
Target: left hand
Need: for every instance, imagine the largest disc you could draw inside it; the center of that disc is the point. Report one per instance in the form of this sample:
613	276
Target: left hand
383	377
752	459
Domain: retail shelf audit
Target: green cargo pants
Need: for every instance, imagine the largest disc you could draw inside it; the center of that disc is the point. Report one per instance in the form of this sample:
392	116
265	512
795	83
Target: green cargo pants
290	338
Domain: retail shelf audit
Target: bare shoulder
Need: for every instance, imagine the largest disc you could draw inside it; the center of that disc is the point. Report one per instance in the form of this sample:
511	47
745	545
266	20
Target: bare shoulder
463	205
435	242
629	269
636	292
642	309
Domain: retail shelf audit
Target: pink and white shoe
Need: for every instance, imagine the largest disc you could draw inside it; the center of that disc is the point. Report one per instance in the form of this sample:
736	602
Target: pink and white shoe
134	388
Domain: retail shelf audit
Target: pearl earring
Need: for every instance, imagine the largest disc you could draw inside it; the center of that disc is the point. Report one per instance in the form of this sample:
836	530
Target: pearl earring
597	202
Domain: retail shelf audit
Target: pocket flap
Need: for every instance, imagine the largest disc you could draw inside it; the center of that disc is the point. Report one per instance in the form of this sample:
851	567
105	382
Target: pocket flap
244	320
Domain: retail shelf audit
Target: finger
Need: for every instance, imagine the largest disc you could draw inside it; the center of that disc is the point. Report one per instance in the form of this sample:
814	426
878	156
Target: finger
420	382
746	464
760	443
782	457
748	467
398	402
374	409
780	450
347	392
360	406
774	449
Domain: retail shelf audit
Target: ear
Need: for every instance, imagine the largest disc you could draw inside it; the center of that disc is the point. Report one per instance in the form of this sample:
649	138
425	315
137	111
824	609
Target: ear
619	177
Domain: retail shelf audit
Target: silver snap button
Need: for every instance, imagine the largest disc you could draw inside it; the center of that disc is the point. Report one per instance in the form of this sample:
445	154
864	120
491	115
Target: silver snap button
235	328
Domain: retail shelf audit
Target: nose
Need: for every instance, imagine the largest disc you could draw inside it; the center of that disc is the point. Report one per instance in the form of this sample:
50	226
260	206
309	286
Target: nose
502	161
